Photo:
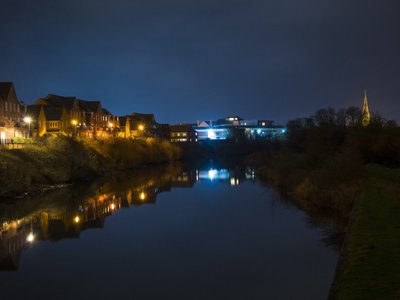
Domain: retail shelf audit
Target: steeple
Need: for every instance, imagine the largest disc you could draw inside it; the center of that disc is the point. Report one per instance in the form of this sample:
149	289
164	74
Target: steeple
366	117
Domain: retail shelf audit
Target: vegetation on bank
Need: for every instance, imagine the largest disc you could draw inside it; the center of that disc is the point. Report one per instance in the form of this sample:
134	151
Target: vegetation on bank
321	164
327	162
372	256
62	160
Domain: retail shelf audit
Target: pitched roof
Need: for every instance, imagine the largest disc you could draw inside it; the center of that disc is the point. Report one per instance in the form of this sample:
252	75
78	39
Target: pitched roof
53	113
56	100
145	118
5	89
89	106
106	112
34	110
181	127
122	121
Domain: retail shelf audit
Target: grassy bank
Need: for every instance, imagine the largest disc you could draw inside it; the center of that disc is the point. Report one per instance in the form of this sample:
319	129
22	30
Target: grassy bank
323	187
372	256
63	160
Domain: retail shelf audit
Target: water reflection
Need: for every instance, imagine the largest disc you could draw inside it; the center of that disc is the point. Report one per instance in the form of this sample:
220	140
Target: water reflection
67	212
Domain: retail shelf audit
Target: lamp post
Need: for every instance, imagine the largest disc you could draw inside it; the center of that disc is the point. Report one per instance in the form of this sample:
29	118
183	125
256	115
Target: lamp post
111	125
141	129
28	121
74	123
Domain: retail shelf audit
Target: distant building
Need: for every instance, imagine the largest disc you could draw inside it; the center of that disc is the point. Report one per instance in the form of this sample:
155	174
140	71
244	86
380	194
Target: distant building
163	131
124	127
236	128
366	117
11	114
69	115
183	133
142	125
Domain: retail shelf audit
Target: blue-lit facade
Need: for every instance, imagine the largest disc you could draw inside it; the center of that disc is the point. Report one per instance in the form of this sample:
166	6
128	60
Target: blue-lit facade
237	128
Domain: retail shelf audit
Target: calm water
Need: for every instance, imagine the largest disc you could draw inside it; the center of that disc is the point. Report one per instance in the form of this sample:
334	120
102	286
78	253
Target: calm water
163	233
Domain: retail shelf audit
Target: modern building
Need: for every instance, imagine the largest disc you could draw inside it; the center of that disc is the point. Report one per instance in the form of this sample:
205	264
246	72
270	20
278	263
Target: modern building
239	129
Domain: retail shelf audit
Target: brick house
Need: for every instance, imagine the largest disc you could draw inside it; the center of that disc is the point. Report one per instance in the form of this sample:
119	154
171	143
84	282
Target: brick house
11	114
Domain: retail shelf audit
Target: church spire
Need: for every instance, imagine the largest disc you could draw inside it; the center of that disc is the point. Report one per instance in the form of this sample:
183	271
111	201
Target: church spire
366	117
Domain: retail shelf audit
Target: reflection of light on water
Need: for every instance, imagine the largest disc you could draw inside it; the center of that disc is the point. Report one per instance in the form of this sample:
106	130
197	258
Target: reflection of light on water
250	174
234	181
212	173
30	238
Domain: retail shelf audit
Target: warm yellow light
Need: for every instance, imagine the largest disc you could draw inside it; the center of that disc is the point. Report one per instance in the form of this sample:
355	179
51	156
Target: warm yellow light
112	206
141	127
27	120
30	238
74	122
77	219
142	196
110	125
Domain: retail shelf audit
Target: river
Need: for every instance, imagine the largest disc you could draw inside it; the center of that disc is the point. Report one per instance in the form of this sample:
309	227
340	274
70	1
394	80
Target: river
169	232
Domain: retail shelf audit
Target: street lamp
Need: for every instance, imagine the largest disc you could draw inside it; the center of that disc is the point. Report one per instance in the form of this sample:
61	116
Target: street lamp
111	125
74	123
28	121
141	129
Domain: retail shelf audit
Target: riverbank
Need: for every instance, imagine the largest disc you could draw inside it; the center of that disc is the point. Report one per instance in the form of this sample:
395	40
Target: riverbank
371	256
63	160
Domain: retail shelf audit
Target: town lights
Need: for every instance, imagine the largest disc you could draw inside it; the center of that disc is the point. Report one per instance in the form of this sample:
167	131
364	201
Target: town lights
74	123
110	125
112	206
77	219
30	238
211	134
142	196
28	121
141	127
212	173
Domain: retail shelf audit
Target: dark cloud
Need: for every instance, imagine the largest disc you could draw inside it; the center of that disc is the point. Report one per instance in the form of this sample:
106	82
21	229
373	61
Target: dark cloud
187	60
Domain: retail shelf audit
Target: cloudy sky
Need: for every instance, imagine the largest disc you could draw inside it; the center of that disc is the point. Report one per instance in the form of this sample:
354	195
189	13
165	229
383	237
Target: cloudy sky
188	60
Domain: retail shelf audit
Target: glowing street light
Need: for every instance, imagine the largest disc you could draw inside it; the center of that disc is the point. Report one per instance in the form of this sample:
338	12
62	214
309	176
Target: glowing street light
112	206
77	219
28	121
142	196
74	123
30	238
141	129
111	125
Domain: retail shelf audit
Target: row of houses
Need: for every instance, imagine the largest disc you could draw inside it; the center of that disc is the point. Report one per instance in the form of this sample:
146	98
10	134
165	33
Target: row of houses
59	115
71	116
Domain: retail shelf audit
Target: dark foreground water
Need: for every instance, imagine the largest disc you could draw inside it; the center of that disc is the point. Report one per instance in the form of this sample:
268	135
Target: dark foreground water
163	233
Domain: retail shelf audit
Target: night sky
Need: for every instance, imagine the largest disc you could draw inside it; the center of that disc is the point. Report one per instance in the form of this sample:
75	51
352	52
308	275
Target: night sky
188	60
